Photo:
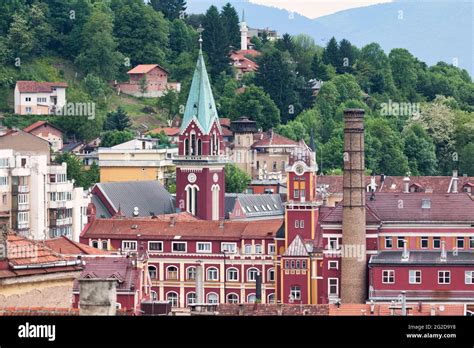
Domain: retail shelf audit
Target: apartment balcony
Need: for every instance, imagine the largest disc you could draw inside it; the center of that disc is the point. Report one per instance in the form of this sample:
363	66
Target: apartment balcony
60	204
60	186
22	226
23	207
20	189
60	222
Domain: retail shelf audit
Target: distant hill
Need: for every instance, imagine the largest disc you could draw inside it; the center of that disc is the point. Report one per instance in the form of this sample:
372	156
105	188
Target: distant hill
432	30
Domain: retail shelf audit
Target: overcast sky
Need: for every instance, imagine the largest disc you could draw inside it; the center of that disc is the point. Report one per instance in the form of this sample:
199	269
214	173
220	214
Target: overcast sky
317	8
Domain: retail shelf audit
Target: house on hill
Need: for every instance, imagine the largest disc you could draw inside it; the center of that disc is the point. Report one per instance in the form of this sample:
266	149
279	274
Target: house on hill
39	98
156	81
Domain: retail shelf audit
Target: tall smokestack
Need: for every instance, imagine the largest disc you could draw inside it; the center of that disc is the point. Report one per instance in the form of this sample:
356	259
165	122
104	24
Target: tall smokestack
199	284
353	260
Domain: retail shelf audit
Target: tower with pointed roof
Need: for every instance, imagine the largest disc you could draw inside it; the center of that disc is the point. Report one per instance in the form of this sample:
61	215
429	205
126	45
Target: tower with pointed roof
200	185
244	30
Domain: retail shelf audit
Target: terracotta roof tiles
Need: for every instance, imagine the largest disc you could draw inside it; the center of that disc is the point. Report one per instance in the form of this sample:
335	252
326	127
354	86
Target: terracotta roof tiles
38	87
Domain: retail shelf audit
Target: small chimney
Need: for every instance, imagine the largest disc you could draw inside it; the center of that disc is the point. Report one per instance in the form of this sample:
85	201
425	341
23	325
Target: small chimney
172	221
199	284
443	251
97	296
405	253
455	182
406	184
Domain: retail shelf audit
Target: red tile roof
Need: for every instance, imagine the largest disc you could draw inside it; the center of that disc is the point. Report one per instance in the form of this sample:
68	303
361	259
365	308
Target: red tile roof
169	131
270	138
407	207
38	87
240	61
145	68
38	124
190	230
384	310
65	246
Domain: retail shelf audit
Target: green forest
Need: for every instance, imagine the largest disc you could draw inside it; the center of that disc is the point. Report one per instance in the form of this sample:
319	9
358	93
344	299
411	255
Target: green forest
419	118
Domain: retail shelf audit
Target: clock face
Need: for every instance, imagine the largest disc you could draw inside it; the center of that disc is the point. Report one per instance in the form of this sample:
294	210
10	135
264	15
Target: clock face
299	169
192	178
215	177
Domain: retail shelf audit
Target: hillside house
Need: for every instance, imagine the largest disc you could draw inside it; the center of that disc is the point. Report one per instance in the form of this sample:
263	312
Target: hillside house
39	98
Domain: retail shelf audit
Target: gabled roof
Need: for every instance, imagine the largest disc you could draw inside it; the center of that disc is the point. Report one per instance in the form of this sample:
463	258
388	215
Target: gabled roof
65	246
296	248
200	105
255	205
407	207
145	68
169	131
38	124
270	138
149	196
38	87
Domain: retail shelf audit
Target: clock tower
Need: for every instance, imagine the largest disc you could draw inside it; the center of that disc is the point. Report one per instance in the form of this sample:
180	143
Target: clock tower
200	185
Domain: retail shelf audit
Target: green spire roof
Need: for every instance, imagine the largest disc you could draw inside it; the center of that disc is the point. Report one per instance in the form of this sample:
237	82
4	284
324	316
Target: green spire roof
200	105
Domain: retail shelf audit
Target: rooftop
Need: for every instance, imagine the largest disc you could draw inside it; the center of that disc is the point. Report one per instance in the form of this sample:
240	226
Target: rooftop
145	68
423	257
38	87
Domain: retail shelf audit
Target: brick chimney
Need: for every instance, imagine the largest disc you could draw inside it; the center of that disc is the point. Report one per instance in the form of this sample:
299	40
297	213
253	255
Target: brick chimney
353	261
455	182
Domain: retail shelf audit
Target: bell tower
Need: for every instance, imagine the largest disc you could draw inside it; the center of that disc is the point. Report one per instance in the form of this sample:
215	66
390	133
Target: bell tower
200	185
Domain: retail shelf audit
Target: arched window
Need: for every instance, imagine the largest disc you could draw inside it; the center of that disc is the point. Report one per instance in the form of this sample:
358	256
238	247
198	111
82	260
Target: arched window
232	274
191	273
271	275
251	298
215	202
252	274
199	147
193	143
95	244
154	296
212	274
212	298
172	297
172	273
190	298
271	298
191	198
152	272
186	147
105	245
232	298
248	249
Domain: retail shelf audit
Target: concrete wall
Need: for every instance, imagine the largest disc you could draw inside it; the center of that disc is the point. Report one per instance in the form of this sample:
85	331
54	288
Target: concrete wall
97	296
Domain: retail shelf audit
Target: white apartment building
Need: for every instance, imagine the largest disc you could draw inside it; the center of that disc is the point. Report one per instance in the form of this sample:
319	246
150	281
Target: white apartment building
36	197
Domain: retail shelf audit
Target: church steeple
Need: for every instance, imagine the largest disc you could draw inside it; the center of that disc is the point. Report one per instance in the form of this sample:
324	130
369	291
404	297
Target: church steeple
200	105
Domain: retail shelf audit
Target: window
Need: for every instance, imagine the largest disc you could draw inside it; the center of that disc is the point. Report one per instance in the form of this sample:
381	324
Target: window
229	247
172	297
29	110
424	242
400	241
190	298
258	249
251	298
212	298
154	295
95	244
460	243
469	277
333	243
191	273
128	245
271	298
271	275
296	193
287	264
471	242
388	277
297	223
232	298
271	249
388	242
232	274
333	265
152	272
295	292
155	246
212	274
248	249
301	223
414	277
105	245
333	287
41	100
252	274
178	246
203	247
4	162
297	264
3	180
172	273
436	242
444	277
28	99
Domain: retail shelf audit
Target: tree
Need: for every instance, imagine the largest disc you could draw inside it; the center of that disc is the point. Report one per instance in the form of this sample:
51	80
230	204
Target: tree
114	137
230	20
257	105
99	53
169	103
285	43
236	180
20	39
117	120
41	30
162	138
404	74
143	85
420	151
142	34
347	55
319	69
182	38
171	9
77	172
215	44
331	53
